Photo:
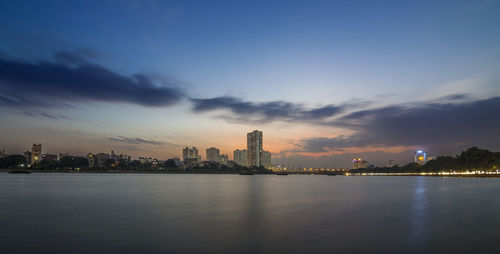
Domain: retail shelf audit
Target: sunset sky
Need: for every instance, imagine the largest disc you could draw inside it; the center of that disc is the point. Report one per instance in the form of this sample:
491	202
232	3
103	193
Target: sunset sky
325	81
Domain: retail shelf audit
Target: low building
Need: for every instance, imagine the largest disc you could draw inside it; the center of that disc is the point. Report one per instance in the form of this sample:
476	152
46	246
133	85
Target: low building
49	156
358	163
222	159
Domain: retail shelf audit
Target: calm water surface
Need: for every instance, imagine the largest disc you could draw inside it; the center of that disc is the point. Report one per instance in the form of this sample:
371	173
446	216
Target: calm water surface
146	213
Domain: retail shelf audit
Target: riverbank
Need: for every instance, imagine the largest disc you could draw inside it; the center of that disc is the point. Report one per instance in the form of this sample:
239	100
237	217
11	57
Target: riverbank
434	174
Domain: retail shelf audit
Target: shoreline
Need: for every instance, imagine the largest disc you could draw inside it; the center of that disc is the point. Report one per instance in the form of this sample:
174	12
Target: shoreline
491	175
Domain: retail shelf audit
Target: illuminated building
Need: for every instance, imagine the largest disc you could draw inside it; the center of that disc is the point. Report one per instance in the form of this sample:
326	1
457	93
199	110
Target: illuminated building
213	154
145	160
240	157
190	154
49	156
420	156
358	163
36	153
266	159
254	148
222	159
62	155
91	159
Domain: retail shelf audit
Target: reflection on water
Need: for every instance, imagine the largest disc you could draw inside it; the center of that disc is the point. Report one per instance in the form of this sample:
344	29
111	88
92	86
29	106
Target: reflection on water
419	209
89	213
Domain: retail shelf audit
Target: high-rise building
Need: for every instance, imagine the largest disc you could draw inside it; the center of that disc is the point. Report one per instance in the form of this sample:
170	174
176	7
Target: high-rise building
36	153
420	156
240	157
222	159
190	153
358	163
213	154
265	159
254	148
91	159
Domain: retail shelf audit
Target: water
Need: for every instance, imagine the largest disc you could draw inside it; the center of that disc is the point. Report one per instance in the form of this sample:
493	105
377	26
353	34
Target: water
146	213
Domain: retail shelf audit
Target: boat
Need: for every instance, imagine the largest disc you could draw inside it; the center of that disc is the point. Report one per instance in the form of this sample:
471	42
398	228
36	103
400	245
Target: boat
282	173
19	172
331	174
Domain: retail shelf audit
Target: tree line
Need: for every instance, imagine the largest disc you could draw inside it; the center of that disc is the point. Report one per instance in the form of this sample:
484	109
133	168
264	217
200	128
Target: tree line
75	163
473	158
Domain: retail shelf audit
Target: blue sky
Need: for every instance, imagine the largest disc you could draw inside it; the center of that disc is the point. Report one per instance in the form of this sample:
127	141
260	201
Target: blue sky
357	55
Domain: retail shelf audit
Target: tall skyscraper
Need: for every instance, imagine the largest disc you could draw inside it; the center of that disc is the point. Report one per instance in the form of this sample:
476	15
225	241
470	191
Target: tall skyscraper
240	157
254	148
213	154
189	153
36	153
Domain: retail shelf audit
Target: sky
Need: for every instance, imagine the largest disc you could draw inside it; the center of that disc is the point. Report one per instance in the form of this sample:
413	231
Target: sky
326	81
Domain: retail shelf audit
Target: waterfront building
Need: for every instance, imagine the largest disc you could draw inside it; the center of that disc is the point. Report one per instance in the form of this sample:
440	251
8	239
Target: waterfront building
49	156
358	163
190	154
102	158
240	157
123	157
222	159
145	160
36	154
189	162
91	159
420	156
254	148
62	155
266	159
213	154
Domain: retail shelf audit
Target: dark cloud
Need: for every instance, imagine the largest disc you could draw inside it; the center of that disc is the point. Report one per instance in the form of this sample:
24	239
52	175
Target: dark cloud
45	115
440	126
135	141
69	78
267	111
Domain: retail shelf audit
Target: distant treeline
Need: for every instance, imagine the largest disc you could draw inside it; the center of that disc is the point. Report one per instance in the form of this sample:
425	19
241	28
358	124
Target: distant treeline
471	159
75	163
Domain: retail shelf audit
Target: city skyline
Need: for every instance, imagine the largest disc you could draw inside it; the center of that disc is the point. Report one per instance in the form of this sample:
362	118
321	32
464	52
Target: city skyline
326	81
